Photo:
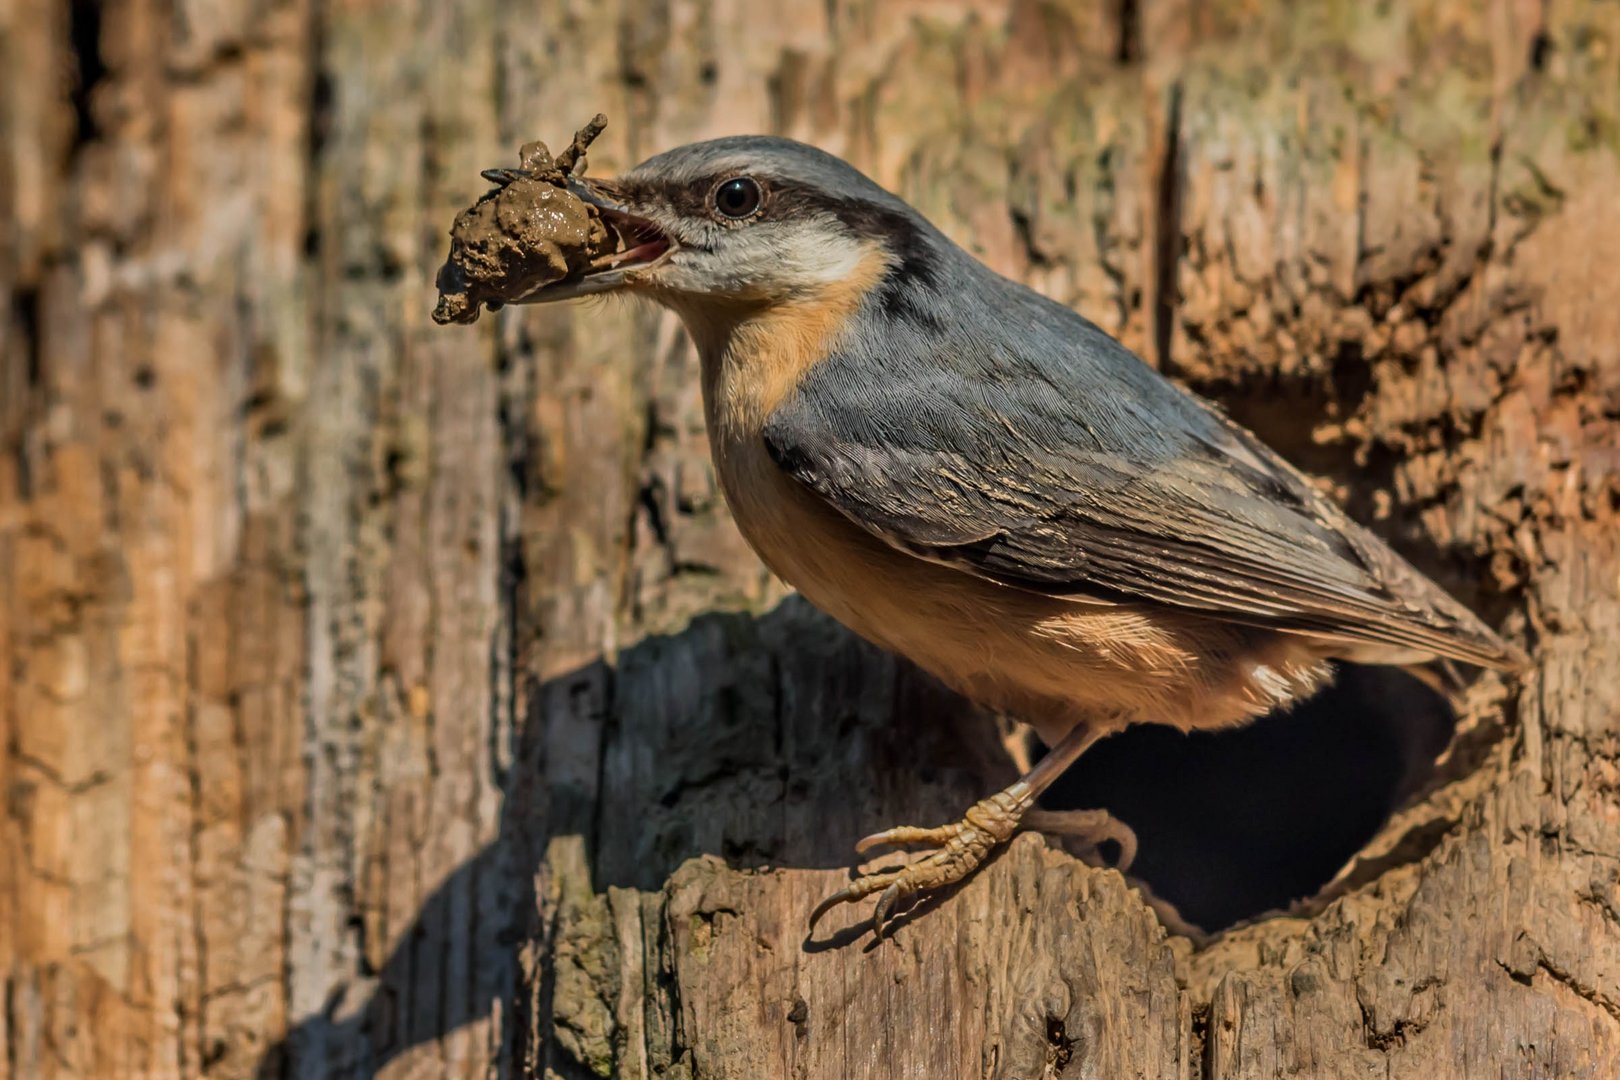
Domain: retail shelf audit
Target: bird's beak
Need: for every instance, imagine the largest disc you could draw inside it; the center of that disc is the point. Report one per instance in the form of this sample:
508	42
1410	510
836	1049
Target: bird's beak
638	245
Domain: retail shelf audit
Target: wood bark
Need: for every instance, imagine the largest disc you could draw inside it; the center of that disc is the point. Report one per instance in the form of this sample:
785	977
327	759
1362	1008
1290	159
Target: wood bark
381	697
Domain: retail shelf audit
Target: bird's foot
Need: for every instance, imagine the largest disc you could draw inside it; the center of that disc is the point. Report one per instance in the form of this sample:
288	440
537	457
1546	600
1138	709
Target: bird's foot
1092	828
959	848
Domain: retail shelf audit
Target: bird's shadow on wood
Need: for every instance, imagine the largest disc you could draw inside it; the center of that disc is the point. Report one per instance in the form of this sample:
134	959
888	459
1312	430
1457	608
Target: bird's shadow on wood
778	740
774	740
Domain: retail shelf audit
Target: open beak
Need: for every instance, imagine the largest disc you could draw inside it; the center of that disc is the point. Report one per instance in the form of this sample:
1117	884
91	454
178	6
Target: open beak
637	245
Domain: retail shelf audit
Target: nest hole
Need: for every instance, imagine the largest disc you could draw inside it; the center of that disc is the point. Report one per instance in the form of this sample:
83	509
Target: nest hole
1235	824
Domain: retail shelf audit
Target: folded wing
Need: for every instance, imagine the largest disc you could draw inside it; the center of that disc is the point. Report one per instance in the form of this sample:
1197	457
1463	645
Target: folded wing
1066	466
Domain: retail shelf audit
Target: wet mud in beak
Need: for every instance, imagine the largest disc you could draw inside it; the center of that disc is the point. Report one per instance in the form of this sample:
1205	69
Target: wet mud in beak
543	233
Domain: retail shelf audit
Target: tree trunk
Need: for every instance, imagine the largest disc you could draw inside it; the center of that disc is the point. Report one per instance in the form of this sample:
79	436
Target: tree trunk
386	696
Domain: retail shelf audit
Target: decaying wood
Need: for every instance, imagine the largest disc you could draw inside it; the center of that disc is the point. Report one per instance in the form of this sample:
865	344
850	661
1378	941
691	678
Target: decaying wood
385	696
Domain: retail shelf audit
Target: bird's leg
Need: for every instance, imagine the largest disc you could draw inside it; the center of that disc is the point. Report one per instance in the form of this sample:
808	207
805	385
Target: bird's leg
960	847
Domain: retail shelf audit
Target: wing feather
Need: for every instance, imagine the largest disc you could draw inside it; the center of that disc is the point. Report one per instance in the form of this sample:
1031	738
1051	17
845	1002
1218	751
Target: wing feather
1068	467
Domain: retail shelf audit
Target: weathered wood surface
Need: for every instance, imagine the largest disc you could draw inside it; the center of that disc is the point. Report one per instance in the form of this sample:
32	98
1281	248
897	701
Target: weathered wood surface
370	686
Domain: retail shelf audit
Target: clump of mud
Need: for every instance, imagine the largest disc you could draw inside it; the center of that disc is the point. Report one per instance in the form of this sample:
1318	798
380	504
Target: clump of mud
528	232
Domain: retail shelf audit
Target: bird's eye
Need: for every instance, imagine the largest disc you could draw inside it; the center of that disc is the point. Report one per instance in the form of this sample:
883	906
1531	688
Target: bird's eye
737	198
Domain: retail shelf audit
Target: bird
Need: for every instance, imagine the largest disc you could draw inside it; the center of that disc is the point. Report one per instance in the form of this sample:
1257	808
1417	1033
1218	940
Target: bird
979	479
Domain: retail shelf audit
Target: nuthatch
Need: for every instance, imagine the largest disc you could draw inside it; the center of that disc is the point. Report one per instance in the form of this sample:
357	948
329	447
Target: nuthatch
977	478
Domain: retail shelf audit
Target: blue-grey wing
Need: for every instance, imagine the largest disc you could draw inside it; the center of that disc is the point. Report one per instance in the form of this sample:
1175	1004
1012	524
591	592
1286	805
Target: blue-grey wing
1065	465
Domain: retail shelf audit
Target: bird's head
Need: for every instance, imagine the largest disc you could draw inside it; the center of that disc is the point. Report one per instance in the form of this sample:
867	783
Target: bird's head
716	229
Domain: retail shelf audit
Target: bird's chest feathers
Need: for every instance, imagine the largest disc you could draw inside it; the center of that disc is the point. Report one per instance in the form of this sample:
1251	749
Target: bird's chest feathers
742	388
750	367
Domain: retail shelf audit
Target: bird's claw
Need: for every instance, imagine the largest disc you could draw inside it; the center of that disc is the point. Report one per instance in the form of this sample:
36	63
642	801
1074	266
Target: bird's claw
1092	828
908	834
959	849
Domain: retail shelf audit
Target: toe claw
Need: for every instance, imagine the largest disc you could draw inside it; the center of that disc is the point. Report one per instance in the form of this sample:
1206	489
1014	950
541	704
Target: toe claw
1091	827
885	906
1127	849
842	896
907	834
